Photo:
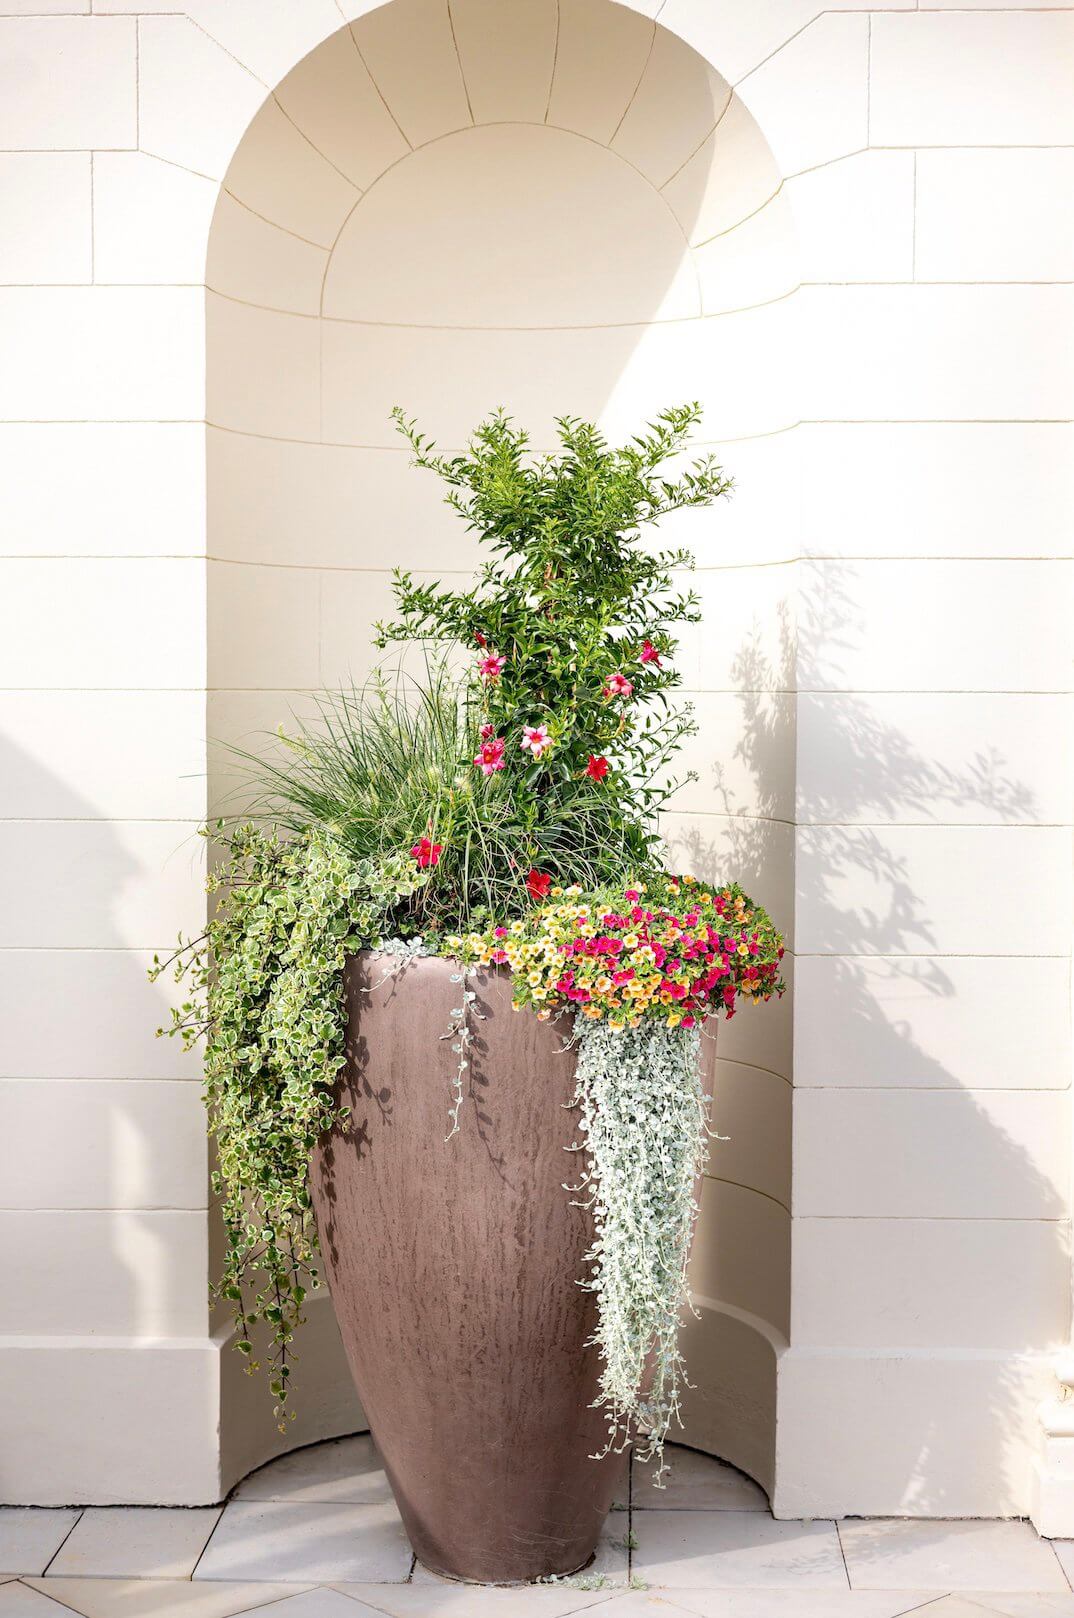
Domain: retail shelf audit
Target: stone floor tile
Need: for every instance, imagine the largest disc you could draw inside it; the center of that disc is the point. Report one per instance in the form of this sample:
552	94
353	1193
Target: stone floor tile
320	1603
1039	1605
444	1600
30	1536
894	1553
310	1543
159	1598
18	1600
959	1607
736	1549
135	1542
695	1482
345	1471
776	1604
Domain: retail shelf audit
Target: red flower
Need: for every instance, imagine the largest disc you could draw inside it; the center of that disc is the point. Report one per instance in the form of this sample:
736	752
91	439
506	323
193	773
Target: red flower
479	637
425	852
538	885
487	732
649	653
597	768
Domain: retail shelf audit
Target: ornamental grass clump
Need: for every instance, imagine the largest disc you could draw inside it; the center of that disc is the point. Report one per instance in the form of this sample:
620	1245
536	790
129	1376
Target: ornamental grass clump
503	811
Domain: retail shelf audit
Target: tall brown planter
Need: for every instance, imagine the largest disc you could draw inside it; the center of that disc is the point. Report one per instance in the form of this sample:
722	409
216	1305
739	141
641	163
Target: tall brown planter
454	1268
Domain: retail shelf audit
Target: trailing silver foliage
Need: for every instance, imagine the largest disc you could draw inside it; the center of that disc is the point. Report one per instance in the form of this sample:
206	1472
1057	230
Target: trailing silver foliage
644	1129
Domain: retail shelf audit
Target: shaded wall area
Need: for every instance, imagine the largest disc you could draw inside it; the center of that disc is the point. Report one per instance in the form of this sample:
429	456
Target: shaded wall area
564	210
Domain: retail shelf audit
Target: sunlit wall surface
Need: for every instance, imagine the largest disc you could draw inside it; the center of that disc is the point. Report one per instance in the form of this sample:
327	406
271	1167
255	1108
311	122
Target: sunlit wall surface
241	233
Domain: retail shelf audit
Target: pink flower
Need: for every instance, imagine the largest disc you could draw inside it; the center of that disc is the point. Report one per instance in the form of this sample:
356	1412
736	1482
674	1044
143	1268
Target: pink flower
535	739
633	895
425	852
491	667
538	884
617	685
490	758
597	768
649	653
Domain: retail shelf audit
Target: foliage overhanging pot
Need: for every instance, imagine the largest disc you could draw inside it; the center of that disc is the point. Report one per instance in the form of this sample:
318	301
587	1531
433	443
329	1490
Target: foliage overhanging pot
454	1270
503	1331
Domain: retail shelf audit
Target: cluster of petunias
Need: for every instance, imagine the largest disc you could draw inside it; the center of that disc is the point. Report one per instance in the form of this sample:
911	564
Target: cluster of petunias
671	949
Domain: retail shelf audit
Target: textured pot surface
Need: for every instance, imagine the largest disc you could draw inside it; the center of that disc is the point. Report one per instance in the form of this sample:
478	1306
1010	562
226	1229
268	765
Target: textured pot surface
454	1269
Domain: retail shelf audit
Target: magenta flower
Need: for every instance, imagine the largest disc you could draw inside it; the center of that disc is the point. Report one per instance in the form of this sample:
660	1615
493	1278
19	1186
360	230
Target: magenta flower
490	668
426	853
617	685
649	653
490	758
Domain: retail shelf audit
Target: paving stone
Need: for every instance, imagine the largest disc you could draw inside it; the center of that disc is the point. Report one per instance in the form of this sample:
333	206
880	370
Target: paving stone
159	1598
135	1542
309	1543
346	1471
30	1536
695	1482
894	1553
722	1549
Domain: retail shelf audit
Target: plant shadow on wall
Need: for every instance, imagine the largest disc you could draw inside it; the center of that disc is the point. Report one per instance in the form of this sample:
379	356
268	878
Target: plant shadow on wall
859	911
119	1249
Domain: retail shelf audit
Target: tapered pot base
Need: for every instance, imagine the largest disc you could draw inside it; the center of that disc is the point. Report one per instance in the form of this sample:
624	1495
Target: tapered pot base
454	1268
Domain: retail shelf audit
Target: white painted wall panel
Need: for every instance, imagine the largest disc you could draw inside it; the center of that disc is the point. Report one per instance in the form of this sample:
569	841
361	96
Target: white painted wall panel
69	83
101	354
45	244
103	488
975	78
976	1284
134	1144
933	1022
935	1154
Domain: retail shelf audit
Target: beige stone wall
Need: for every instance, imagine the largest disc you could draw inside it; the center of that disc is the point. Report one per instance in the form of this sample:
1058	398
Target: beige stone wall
788	213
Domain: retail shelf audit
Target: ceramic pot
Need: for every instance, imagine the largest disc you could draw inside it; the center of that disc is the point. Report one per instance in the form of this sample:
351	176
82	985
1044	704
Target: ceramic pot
454	1268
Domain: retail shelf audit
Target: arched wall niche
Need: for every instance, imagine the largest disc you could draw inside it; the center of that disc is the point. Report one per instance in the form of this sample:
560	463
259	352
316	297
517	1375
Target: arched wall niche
559	209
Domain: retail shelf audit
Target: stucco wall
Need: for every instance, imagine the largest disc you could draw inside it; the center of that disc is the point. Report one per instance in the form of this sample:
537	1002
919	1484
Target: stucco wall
881	677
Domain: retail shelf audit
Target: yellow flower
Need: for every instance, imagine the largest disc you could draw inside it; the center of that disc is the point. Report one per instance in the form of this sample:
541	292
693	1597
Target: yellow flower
630	941
518	927
603	984
594	1013
543	1016
743	949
